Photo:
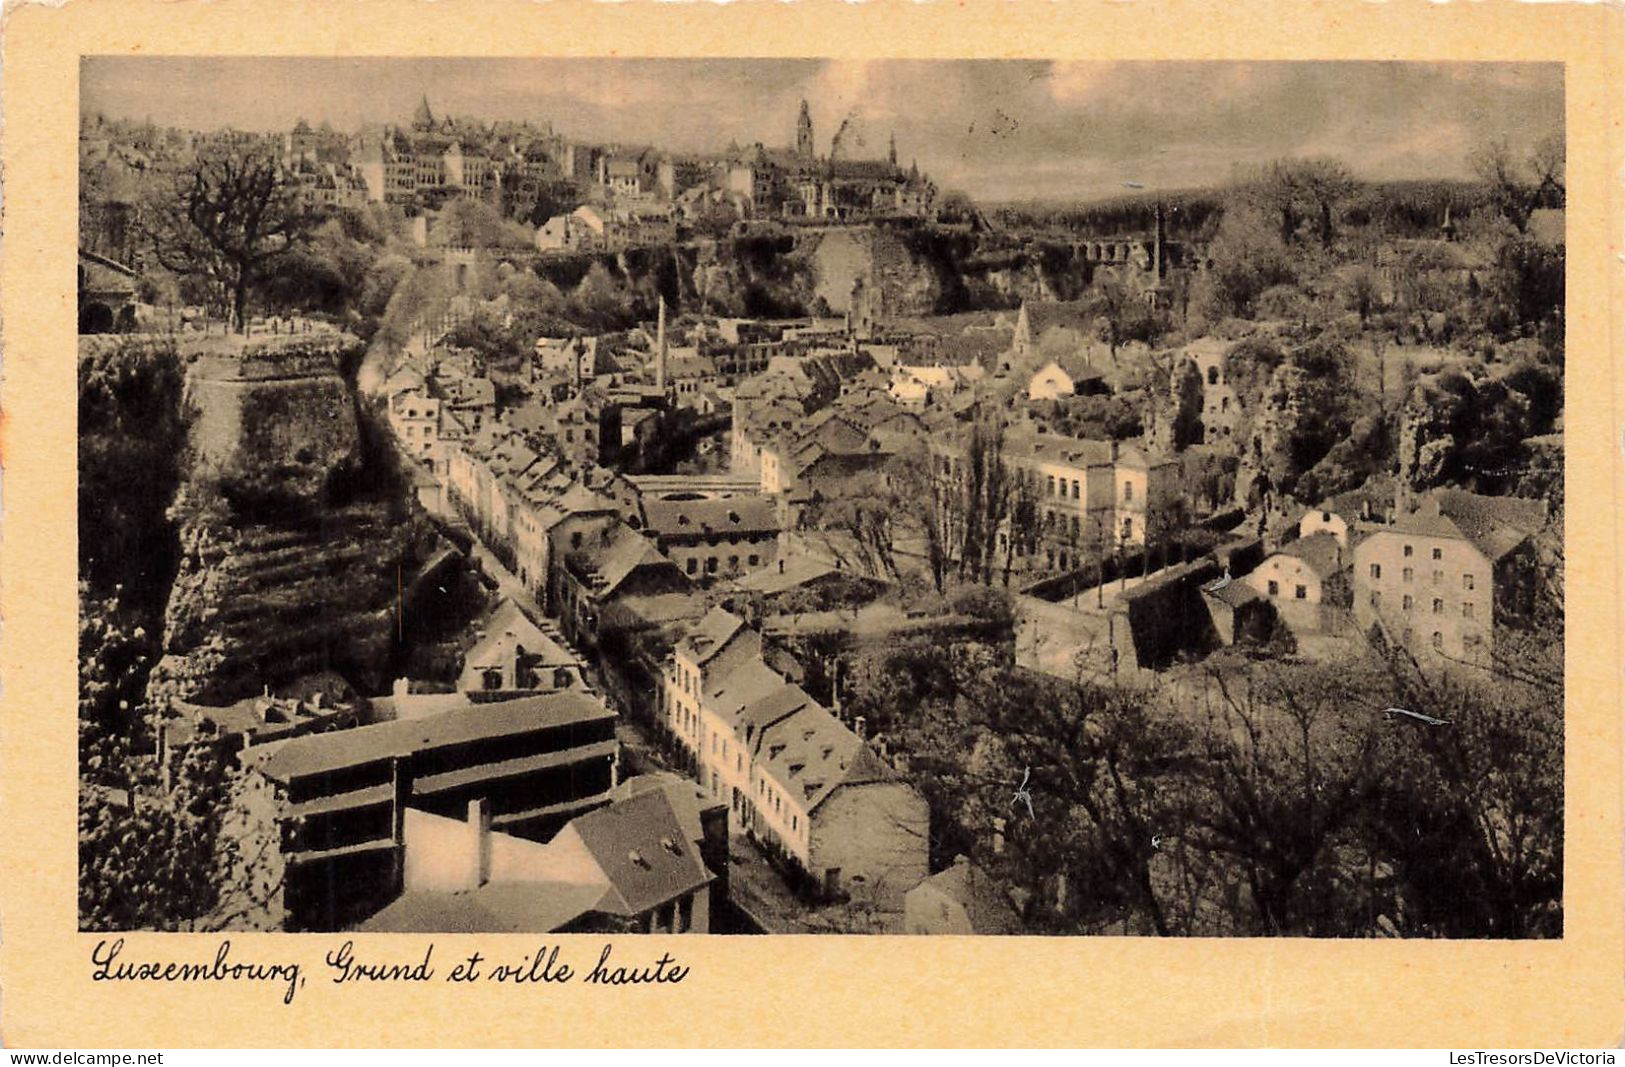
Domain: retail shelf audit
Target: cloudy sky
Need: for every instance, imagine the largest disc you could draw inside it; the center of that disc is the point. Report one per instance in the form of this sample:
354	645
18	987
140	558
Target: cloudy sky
997	129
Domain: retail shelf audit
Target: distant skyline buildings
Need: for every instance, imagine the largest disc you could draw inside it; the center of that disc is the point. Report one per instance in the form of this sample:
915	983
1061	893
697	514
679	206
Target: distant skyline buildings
998	130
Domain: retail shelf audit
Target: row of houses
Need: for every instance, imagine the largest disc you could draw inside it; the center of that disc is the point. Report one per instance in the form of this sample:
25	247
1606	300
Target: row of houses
792	775
1435	576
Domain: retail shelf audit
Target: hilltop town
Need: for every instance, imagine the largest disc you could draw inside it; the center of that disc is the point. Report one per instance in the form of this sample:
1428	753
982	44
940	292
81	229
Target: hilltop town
535	535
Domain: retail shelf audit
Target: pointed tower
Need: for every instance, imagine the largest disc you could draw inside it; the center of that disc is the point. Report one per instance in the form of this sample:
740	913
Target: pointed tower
423	118
660	349
1448	228
891	152
804	133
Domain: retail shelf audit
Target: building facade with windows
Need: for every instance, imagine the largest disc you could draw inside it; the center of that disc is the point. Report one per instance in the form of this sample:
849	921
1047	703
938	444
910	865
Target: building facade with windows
1436	579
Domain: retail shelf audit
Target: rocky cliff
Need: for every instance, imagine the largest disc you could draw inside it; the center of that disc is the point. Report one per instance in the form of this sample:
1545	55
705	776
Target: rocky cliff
296	532
920	271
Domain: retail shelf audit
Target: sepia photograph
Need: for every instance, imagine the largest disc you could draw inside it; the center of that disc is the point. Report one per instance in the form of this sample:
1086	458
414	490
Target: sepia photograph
821	496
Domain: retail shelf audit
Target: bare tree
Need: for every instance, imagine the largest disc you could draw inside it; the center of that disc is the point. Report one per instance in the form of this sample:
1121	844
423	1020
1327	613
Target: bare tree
1513	191
230	214
1549	162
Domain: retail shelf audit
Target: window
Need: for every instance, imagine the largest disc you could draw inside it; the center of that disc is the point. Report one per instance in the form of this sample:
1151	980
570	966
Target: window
1376	600
1438	577
1407	574
1438	553
1376	570
755	561
1213	375
1275	587
1051	490
1301	593
1224	404
1128	492
1407	551
711	565
1438	606
1407	603
575	539
713	744
1466	611
1467	582
1438	639
1077	489
733	563
692	565
795	822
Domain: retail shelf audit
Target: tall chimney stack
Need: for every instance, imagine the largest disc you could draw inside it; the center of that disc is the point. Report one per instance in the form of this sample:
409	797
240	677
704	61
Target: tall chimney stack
479	842
660	346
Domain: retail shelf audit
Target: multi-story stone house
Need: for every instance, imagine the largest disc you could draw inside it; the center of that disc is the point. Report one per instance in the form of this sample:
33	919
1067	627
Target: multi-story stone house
1439	579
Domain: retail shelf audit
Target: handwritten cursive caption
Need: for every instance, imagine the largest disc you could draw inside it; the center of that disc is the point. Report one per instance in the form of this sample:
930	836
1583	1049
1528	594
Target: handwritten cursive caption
346	965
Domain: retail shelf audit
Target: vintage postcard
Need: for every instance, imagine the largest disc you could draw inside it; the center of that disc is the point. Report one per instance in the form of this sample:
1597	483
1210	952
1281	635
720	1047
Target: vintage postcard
1059	512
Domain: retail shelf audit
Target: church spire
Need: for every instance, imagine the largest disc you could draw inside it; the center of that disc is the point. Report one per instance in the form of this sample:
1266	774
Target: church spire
423	119
891	152
804	133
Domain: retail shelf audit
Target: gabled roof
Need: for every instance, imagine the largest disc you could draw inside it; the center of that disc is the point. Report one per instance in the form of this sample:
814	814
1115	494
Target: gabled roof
1053	448
686	797
787	574
579	500
810	754
712	633
1496	524
1321	551
1378	491
1075	365
986	907
507	629
644	852
624	551
717	515
743	686
752	721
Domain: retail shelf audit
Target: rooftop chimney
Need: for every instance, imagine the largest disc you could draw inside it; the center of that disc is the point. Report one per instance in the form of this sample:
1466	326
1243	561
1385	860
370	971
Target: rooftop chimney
401	688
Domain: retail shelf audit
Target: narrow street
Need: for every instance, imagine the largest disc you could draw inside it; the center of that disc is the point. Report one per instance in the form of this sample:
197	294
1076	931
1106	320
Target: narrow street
757	890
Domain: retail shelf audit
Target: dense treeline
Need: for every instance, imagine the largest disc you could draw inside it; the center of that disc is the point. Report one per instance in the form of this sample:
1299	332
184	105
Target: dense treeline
1262	798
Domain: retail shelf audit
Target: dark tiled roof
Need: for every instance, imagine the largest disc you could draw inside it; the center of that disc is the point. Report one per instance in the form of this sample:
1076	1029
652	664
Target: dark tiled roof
719	515
643	850
1496	524
321	753
988	910
1321	552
